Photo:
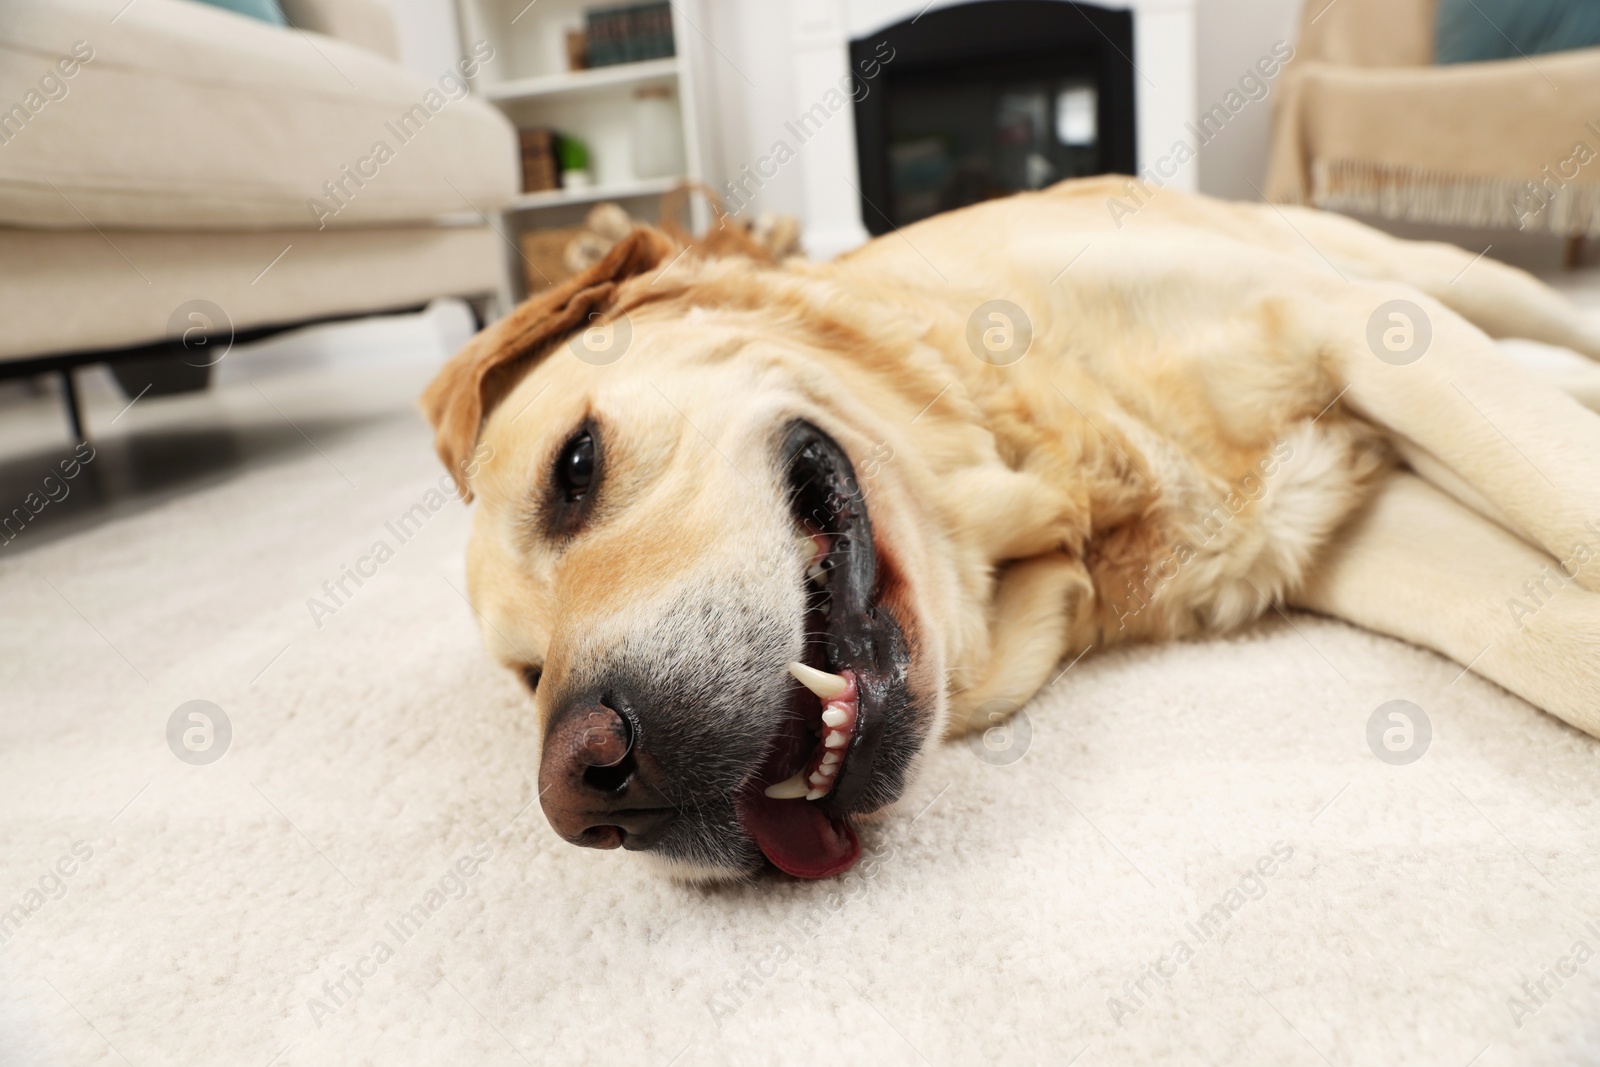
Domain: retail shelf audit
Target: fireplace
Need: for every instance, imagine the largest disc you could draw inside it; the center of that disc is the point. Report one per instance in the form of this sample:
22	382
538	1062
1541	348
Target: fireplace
984	99
823	31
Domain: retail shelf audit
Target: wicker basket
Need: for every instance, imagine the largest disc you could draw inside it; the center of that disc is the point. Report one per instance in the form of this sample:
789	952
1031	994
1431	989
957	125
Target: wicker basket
725	237
544	257
544	251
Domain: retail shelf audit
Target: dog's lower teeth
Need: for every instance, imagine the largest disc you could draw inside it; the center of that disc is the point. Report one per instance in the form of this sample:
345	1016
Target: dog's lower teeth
789	788
816	779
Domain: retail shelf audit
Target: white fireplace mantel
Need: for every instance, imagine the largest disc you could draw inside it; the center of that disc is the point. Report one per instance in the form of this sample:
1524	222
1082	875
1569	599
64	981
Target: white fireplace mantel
821	30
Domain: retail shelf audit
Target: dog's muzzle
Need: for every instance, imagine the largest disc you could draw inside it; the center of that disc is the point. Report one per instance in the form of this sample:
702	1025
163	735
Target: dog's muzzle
647	750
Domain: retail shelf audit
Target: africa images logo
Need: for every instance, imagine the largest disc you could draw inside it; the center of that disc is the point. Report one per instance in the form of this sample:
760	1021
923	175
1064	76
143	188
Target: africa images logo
199	732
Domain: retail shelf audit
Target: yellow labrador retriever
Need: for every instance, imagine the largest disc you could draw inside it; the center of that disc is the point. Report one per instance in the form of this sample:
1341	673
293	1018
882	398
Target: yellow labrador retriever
755	535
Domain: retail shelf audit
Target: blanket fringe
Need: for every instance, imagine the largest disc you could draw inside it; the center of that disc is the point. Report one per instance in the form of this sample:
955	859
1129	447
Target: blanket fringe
1445	198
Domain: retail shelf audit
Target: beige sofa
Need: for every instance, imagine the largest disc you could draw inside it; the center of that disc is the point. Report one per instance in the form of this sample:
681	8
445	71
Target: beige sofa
154	153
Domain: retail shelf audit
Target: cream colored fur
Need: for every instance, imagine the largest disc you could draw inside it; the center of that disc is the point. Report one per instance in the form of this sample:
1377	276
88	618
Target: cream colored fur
1198	434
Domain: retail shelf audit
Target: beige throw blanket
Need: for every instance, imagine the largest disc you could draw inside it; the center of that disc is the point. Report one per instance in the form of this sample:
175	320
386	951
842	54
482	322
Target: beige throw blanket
1363	123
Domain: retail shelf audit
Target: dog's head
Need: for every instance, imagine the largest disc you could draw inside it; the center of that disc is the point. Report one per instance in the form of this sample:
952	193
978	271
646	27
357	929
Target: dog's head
694	543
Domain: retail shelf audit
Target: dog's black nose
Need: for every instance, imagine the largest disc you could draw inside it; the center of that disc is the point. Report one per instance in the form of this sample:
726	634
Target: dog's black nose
592	781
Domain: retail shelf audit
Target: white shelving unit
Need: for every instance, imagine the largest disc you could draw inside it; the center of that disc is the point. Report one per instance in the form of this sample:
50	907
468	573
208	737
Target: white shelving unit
594	194
529	80
578	81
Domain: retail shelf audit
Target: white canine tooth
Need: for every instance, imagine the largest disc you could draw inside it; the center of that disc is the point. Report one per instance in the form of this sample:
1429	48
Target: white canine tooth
825	685
817	777
830	758
834	715
827	770
816	794
835	739
789	788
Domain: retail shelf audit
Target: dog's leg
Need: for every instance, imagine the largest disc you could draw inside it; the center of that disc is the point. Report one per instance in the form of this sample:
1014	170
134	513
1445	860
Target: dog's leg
1501	300
1035	611
1419	566
1530	451
1580	381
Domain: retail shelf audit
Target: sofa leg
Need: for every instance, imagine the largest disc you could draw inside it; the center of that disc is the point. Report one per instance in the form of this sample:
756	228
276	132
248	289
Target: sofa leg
485	309
69	391
1574	253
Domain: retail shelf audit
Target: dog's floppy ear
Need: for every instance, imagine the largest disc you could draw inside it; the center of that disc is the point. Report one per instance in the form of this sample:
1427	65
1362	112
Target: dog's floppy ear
478	377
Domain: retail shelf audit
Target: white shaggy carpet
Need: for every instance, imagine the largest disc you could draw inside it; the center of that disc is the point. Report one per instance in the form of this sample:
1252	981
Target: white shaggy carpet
1027	913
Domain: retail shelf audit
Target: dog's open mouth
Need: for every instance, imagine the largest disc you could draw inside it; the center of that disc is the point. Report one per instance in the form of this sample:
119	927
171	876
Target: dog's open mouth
823	764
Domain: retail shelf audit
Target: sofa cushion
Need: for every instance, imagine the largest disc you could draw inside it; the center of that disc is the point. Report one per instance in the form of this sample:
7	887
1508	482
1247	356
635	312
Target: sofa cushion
170	114
1472	31
261	10
366	23
49	278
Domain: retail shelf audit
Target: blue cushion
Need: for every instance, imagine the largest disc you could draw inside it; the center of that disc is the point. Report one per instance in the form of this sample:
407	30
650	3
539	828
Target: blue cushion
1470	31
265	10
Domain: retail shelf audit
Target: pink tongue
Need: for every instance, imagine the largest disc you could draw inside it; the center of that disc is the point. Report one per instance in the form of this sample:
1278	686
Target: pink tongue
799	838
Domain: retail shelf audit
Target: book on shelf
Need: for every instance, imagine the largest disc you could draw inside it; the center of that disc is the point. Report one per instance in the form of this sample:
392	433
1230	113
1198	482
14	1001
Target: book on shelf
541	168
628	34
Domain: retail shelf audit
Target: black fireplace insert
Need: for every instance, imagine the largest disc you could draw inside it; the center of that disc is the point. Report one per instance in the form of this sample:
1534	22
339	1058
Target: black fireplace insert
982	100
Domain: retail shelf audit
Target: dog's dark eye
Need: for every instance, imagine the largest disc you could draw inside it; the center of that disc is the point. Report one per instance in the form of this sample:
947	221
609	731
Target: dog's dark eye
530	678
575	468
575	483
